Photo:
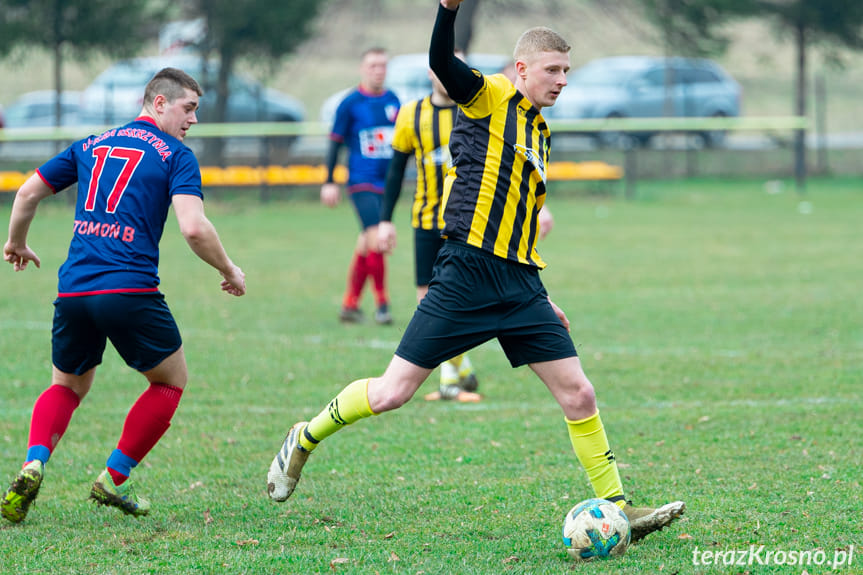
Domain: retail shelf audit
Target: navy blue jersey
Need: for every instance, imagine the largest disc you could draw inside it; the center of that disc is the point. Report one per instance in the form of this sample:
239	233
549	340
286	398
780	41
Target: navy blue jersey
364	122
126	178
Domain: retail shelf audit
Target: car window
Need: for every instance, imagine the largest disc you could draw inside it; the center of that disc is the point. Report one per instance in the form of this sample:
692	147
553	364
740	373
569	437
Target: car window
702	76
655	77
599	76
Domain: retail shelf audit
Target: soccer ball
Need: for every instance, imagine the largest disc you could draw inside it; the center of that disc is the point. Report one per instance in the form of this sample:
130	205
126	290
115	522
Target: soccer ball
596	528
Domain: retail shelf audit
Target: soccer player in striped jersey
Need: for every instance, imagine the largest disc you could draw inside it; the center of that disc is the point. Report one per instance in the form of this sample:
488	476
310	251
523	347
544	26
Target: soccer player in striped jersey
364	123
128	178
422	130
486	282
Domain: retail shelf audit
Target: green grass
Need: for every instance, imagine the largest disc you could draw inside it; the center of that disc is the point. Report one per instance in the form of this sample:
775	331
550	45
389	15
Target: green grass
720	325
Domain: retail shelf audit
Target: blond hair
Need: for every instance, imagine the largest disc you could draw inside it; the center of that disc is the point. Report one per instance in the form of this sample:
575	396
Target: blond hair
539	39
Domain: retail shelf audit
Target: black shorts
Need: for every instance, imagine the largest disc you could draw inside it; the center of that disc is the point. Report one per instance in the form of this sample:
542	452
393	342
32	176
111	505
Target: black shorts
368	207
140	327
474	297
427	244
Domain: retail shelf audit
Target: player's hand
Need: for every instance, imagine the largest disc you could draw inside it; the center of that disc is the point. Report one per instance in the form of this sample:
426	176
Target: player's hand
450	4
330	194
20	257
560	315
386	237
546	222
234	281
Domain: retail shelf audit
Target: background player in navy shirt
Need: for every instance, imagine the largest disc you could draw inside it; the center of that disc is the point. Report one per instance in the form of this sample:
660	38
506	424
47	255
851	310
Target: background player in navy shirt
364	123
127	179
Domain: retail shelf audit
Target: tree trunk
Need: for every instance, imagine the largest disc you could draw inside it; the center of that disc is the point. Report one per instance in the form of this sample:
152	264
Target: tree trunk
800	107
464	25
58	60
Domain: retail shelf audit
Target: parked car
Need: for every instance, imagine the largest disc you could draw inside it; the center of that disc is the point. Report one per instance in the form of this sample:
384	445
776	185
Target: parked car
115	96
636	87
37	109
407	76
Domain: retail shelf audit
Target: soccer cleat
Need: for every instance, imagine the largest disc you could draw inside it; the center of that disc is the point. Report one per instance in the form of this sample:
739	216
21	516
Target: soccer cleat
645	520
383	316
123	497
350	315
23	491
453	392
468	382
285	469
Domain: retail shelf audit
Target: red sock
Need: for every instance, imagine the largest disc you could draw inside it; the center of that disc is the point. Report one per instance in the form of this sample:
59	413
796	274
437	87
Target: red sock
52	413
377	269
148	420
357	274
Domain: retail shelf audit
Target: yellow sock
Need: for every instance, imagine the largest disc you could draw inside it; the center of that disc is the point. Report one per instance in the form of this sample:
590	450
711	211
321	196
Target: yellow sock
349	406
464	366
456	361
591	447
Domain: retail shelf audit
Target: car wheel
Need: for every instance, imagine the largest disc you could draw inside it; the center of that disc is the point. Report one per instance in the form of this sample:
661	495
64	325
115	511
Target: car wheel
615	140
714	138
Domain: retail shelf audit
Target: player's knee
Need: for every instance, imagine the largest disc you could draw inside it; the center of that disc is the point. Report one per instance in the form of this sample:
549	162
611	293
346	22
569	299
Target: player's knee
579	396
387	393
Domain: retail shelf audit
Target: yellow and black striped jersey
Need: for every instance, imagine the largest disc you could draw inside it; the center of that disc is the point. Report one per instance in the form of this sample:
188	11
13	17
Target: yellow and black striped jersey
424	130
496	186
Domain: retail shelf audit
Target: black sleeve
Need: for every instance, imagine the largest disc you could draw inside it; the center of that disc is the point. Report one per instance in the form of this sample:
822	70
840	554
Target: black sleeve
460	81
332	159
393	184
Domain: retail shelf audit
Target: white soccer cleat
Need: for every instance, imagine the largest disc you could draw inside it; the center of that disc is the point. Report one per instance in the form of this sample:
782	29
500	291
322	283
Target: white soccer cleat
285	469
646	520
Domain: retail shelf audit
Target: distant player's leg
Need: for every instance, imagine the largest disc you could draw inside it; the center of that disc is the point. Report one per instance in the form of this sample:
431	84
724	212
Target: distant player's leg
358	272
360	399
427	244
52	413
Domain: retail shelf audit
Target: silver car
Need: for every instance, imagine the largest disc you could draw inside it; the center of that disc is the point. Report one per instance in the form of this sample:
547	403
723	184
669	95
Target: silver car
407	76
648	87
115	96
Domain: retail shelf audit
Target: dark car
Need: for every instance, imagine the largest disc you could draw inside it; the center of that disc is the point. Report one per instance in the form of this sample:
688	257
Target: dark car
648	87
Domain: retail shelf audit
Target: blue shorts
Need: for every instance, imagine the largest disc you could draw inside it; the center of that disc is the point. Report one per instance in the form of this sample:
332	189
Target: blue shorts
368	207
140	327
475	296
427	244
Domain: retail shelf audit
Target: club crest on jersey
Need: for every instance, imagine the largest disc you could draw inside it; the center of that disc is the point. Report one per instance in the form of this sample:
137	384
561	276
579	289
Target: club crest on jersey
534	158
376	143
438	157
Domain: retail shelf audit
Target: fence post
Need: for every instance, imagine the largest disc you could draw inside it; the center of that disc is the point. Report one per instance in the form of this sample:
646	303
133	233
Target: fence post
630	172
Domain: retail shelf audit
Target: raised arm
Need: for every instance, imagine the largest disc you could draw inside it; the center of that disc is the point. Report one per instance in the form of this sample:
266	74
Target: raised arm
202	237
460	81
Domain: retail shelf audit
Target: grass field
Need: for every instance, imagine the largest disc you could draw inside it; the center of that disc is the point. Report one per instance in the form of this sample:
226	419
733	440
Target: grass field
721	326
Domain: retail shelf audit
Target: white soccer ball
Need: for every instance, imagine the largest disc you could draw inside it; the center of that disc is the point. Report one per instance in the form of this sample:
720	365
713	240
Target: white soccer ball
596	528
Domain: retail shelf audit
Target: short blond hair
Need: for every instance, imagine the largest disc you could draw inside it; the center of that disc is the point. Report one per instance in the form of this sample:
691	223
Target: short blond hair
539	39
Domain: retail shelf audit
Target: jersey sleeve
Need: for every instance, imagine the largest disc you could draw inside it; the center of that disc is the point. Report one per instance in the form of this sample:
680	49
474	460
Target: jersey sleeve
60	171
494	90
404	137
185	174
342	121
